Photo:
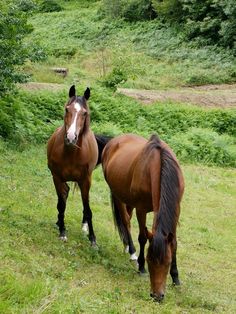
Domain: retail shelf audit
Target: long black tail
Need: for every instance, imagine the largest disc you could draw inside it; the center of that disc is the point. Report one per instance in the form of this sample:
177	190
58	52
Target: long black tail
119	222
102	140
169	201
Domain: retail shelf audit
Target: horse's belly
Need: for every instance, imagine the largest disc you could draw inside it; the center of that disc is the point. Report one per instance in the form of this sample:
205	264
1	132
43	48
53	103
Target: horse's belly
121	189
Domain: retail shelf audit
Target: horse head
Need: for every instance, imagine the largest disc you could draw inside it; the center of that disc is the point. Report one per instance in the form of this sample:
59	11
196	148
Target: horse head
76	118
159	259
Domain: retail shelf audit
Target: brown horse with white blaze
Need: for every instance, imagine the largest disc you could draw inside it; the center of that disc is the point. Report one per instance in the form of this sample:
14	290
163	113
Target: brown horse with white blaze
72	154
145	174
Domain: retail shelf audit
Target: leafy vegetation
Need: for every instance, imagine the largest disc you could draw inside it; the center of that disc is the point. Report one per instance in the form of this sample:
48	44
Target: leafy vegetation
196	134
13	28
150	53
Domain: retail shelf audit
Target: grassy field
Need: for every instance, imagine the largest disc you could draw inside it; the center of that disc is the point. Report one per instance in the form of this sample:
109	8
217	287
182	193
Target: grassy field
40	274
150	55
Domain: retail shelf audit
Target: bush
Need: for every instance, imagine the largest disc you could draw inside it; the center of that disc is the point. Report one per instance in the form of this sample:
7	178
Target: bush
116	77
30	117
13	52
49	6
27	5
204	146
212	20
130	10
195	134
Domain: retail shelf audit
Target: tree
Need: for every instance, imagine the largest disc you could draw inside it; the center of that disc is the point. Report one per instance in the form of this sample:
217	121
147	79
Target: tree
13	52
211	20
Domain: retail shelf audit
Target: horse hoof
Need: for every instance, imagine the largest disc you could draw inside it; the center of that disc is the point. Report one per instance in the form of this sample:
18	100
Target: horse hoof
142	272
85	227
94	245
133	257
176	282
63	238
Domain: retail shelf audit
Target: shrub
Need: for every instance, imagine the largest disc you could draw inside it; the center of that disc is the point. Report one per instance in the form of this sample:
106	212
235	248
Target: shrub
204	146
130	10
116	77
195	134
13	52
27	5
49	6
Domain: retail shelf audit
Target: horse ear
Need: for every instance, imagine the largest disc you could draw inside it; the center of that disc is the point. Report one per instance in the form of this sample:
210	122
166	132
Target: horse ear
149	234
72	91
87	93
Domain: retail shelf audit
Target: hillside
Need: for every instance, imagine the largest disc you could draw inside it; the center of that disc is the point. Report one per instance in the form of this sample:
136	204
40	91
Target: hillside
148	54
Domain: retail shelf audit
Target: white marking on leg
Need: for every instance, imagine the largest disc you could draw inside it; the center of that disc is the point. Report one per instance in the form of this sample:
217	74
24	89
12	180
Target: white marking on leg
85	227
126	249
63	238
133	257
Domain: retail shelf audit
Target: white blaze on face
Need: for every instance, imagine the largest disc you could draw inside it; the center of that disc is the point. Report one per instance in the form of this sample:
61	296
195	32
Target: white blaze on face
71	133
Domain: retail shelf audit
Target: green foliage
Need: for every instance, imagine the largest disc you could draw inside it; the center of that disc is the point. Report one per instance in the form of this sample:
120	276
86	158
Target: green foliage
205	146
130	10
196	134
152	54
49	6
66	52
138	10
214	21
13	28
168	10
30	117
27	5
113	79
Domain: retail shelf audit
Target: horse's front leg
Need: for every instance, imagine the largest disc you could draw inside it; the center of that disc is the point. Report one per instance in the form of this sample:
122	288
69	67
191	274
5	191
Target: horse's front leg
62	190
142	238
87	213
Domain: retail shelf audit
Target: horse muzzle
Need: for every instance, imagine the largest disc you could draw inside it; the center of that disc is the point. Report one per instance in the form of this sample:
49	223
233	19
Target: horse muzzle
71	141
157	297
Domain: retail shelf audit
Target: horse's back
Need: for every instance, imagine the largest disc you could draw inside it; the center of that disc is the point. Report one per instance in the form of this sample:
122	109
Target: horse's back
130	165
119	160
120	152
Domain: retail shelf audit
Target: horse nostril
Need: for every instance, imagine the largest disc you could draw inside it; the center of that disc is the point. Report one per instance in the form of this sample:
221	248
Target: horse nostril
157	298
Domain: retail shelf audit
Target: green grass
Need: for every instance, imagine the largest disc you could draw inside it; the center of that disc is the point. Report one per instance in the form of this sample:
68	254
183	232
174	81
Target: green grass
152	55
40	274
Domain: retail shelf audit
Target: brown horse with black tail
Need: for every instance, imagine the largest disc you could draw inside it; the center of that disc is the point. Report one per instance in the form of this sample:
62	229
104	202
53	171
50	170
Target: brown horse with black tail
146	175
73	152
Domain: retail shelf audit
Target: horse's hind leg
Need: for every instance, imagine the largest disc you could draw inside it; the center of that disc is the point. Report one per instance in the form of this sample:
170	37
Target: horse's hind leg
87	213
173	269
123	214
62	190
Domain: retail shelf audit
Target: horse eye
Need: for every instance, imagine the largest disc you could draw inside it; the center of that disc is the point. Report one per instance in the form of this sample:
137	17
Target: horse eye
67	110
84	113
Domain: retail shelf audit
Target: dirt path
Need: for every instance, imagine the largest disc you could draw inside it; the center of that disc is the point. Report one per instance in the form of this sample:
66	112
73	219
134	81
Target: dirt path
42	86
223	95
